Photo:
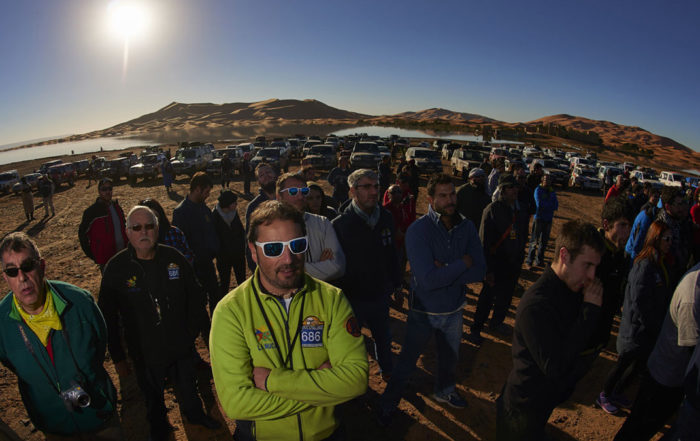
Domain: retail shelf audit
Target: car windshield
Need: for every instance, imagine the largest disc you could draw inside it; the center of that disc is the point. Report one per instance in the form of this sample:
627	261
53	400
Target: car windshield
588	173
550	164
269	153
366	147
6	176
471	154
677	177
150	159
426	154
319	150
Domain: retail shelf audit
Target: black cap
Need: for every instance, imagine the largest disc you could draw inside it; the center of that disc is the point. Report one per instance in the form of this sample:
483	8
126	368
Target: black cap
227	197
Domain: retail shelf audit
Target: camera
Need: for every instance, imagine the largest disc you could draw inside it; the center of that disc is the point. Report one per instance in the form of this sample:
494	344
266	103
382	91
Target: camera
75	397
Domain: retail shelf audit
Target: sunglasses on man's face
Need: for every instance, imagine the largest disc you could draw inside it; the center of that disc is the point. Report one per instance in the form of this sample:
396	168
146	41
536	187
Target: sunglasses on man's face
294	190
275	249
105	188
27	266
138	227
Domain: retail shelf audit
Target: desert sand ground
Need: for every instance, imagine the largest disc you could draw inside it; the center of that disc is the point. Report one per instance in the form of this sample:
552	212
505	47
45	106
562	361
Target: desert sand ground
481	372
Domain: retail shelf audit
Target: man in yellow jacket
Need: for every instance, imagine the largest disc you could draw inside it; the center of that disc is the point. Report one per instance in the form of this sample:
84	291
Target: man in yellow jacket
285	347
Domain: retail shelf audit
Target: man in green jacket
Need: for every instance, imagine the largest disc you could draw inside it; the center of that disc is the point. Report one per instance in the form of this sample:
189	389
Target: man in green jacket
53	337
285	347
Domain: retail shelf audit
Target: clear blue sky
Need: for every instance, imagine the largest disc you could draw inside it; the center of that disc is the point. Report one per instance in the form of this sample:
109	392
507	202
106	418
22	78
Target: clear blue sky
630	62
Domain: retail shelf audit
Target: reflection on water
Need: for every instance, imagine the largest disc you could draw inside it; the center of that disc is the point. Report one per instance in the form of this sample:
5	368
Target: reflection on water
404	133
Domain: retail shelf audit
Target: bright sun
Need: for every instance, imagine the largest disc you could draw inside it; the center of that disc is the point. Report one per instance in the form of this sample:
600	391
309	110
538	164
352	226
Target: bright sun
128	20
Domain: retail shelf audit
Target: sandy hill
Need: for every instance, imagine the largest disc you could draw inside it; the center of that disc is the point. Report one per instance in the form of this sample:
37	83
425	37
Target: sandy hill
445	115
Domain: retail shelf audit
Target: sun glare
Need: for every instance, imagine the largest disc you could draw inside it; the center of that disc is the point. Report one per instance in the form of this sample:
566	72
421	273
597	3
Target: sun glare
128	20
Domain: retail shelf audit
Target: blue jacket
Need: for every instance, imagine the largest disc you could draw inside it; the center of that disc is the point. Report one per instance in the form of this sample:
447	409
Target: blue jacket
546	202
371	261
84	335
196	222
441	289
641	225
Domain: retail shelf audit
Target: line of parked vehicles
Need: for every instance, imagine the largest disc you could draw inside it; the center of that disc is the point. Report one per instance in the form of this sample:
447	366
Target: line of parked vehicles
566	168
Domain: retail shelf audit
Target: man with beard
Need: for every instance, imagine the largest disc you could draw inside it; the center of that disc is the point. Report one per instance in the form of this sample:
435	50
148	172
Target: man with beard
151	292
266	179
555	318
366	234
472	197
325	259
503	248
285	347
445	253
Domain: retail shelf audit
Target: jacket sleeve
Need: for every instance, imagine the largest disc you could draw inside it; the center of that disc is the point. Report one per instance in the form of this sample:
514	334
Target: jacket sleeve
110	310
329	269
196	301
233	374
346	379
180	220
637	234
645	307
83	234
489	237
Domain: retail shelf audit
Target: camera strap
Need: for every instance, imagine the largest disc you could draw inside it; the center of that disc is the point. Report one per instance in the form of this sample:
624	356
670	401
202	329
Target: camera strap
30	348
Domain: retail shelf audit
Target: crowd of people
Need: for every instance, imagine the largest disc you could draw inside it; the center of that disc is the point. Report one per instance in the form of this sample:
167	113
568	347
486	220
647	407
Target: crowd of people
285	344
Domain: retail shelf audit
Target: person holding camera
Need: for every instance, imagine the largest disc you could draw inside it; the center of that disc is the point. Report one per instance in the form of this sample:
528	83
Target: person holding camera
53	337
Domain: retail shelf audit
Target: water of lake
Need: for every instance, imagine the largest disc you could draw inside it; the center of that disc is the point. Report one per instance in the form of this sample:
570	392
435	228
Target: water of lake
65	148
405	133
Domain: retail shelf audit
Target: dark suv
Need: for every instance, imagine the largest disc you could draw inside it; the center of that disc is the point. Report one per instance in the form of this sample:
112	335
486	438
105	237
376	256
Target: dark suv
115	169
62	173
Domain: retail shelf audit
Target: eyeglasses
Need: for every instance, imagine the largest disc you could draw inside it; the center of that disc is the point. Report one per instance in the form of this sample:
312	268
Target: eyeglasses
105	188
275	249
27	266
138	227
368	186
667	238
294	190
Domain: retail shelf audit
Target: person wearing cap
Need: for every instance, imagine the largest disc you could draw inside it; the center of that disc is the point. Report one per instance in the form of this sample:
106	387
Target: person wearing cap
500	237
472	197
231	233
102	231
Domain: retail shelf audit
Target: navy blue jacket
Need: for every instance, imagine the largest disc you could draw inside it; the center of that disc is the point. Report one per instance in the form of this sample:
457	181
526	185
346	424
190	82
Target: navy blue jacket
440	289
196	222
372	266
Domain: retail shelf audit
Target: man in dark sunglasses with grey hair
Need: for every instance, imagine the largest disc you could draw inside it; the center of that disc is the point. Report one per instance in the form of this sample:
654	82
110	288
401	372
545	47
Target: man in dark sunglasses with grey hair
152	290
53	337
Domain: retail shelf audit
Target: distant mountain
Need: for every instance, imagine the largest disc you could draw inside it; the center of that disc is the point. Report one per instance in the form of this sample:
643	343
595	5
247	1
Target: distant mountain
612	133
445	115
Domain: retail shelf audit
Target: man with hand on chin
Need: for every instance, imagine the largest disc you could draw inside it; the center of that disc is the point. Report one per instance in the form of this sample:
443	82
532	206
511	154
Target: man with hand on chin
53	337
556	317
285	347
153	289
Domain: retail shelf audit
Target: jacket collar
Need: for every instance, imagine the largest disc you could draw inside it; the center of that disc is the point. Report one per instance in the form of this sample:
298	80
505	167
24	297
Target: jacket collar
60	303
435	216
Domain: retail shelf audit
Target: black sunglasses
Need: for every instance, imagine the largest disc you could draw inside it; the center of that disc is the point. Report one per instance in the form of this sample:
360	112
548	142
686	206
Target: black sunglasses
138	227
27	266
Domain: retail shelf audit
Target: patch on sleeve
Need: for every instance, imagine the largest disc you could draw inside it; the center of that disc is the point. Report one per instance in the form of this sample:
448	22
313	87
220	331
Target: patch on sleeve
312	332
173	271
352	326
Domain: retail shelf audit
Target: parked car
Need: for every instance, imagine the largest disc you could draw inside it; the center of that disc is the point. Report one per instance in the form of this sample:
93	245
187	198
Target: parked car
603	171
7	180
82	167
497	152
31	178
557	175
148	167
463	160
672	179
308	144
322	156
190	160
115	169
46	165
365	154
428	161
62	173
277	158
584	178
646	177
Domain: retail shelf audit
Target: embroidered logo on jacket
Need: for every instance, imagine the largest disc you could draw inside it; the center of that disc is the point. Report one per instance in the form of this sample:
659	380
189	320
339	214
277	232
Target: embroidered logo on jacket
173	271
131	282
264	338
311	332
